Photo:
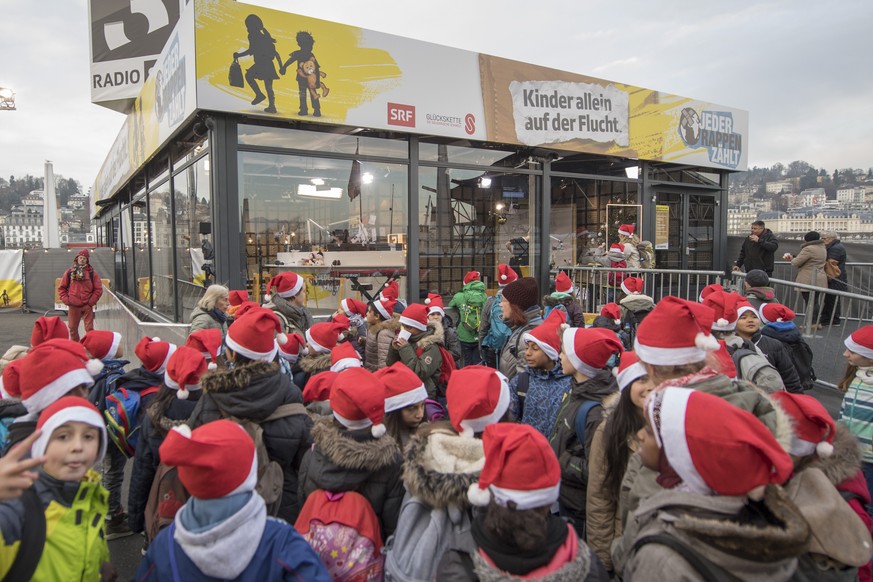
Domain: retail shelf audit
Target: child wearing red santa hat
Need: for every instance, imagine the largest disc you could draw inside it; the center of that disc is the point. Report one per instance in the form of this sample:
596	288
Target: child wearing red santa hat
436	314
565	299
716	460
66	504
469	302
383	325
779	324
351	452
321	339
517	536
404	402
635	305
223	531
857	384
254	390
286	295
417	345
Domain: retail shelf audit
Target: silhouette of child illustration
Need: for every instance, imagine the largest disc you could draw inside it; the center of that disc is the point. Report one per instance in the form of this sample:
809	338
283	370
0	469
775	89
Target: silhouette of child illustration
309	74
5	298
262	47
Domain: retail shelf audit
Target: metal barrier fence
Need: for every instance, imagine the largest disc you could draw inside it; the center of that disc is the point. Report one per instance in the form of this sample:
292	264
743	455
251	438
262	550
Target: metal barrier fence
859	276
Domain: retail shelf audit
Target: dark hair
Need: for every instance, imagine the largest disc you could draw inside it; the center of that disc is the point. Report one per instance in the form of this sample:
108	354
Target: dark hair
623	422
759	223
848	377
372	305
811	236
516	316
239	359
524	529
162	401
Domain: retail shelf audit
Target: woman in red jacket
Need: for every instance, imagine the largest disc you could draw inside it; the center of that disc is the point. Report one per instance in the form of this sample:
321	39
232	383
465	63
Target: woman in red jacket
79	290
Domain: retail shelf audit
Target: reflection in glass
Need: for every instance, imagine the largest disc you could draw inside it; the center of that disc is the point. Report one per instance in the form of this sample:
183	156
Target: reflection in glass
195	253
160	212
318	141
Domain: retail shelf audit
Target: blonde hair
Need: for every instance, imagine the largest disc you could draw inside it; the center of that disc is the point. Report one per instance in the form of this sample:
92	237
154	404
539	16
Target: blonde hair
212	295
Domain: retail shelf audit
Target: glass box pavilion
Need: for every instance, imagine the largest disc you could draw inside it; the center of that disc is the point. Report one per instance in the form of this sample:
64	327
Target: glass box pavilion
265	141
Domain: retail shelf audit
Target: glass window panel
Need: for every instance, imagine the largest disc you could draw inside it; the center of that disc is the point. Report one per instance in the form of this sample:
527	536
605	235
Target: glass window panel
128	251
142	240
161	214
297	215
194	237
336	143
461	154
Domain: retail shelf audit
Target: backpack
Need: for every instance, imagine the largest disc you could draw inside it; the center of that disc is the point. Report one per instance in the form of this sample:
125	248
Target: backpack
447	366
647	254
560	307
582	419
287	327
434	411
470	317
344	531
756	368
498	331
801	355
423	536
123	418
104	385
5	423
271	478
167	495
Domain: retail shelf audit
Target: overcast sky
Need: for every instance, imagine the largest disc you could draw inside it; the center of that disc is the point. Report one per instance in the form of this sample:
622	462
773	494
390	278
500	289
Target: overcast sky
802	68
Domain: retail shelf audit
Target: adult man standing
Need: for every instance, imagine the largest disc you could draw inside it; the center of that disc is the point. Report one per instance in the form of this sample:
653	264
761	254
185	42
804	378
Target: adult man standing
758	250
79	290
830	312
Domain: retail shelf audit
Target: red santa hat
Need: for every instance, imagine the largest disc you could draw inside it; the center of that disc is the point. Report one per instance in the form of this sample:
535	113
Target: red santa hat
472	276
154	353
775	313
520	466
343	357
725	361
256	335
434	304
814	427
676	332
62	411
184	370
626	230
385	307
476	396
10	380
715	446
505	275
744	307
352	307
632	286
724	306
46	328
547	335
358	401
861	342
711	288
207	342
563	284
629	370
612	311
323	337
342	321
244	308
287	284
415	316
52	369
237	297
291	349
589	349
390	291
318	387
403	387
616	253
201	457
101	344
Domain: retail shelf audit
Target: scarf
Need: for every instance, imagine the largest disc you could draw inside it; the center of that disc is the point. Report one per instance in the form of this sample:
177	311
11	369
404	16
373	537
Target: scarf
706	373
218	315
77	273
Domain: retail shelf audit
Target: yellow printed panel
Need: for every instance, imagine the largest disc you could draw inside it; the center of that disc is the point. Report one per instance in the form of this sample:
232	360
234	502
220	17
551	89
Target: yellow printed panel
11	294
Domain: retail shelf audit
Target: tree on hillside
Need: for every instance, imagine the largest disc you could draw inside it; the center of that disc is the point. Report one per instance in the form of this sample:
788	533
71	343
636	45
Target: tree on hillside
798	168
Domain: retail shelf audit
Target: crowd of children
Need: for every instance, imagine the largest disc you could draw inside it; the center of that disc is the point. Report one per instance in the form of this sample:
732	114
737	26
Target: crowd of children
383	445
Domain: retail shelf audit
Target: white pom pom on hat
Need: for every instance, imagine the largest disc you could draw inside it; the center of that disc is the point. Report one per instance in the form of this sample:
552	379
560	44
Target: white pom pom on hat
706	342
378	430
282	339
183	393
268	298
824	449
478	497
427	301
212	366
94	366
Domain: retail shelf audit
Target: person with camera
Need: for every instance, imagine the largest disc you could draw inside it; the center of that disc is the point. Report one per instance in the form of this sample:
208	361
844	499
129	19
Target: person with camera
759	250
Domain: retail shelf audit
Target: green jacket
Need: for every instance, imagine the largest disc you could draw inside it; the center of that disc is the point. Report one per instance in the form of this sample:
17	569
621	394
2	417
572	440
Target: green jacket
426	365
469	302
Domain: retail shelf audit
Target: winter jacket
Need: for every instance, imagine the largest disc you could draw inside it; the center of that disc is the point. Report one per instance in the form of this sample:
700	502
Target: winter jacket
575	315
572	454
421	354
759	255
715	528
299	318
857	410
631	254
75	547
545	392
207	319
451	341
602	520
810	262
493	331
471	296
511	358
439	467
247	546
616	278
379	338
788	333
758	296
312	364
778	355
13	353
639	482
80	292
342	460
566	558
837	252
253	392
638	305
154	428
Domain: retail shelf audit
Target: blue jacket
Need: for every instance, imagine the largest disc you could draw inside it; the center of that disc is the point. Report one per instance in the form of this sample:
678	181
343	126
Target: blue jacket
545	393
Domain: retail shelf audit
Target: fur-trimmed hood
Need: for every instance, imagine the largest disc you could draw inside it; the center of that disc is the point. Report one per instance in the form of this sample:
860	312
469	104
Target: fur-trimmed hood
844	463
353	451
637	302
440	465
176	414
392	324
314	363
435	334
252	391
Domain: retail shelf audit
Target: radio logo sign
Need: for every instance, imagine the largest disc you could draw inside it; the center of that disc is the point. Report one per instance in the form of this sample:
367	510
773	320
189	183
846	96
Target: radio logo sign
400	114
